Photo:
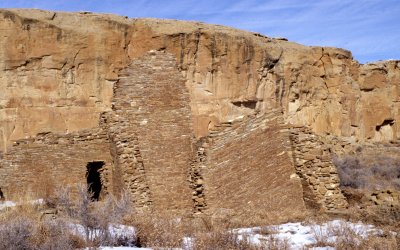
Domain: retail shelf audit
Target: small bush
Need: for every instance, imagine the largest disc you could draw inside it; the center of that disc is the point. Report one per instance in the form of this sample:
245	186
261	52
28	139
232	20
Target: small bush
220	240
358	173
16	234
230	240
25	233
346	237
155	230
23	227
321	236
96	218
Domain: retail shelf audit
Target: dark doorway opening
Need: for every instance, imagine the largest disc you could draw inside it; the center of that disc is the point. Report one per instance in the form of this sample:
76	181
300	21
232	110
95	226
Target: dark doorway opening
94	179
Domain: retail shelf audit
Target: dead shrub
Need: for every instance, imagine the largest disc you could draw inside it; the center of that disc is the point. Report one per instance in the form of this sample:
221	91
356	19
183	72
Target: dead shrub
274	243
230	240
269	230
381	215
55	234
221	240
359	173
346	237
96	218
321	236
16	234
349	242
351	172
26	233
154	230
23	227
165	231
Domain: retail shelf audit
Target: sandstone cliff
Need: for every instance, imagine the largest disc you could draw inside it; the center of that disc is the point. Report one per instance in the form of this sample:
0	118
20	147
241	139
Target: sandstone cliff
58	71
243	118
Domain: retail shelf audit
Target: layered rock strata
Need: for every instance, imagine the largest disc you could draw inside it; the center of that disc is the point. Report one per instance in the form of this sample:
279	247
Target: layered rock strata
165	119
59	69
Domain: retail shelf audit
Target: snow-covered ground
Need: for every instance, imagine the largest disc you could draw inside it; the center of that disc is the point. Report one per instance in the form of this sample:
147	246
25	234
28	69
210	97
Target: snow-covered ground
7	204
299	235
124	233
117	231
296	235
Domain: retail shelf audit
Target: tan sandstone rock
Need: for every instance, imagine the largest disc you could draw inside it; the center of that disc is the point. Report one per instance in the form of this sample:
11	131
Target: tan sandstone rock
162	101
58	70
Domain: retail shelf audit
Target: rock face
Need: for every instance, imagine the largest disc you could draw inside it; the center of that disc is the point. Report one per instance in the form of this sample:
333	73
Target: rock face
182	114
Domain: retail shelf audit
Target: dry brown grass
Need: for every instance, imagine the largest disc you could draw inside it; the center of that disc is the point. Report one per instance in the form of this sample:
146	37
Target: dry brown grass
22	228
25	227
166	231
157	230
349	238
362	209
360	176
362	173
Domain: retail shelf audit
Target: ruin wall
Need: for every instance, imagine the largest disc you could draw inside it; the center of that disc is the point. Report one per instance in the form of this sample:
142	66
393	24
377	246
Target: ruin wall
60	72
37	167
151	128
248	174
313	161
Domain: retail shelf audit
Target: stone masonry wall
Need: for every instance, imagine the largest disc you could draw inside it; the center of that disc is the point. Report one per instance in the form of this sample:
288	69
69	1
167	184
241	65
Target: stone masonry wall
37	166
151	128
128	171
148	145
248	174
196	179
242	168
314	165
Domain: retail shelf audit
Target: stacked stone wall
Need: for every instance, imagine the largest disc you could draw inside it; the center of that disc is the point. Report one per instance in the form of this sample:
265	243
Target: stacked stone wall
151	126
313	161
253	167
196	179
38	166
128	172
248	173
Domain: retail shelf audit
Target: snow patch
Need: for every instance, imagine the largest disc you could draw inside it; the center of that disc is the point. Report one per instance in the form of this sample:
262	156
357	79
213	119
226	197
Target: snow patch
116	231
298	235
8	204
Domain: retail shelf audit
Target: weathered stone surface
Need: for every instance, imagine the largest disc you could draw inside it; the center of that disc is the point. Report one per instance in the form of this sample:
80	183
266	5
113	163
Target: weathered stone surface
36	167
58	71
158	96
314	165
388	198
149	148
151	104
245	170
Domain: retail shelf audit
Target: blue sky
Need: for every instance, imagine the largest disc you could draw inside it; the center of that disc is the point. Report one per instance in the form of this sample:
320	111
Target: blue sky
369	28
